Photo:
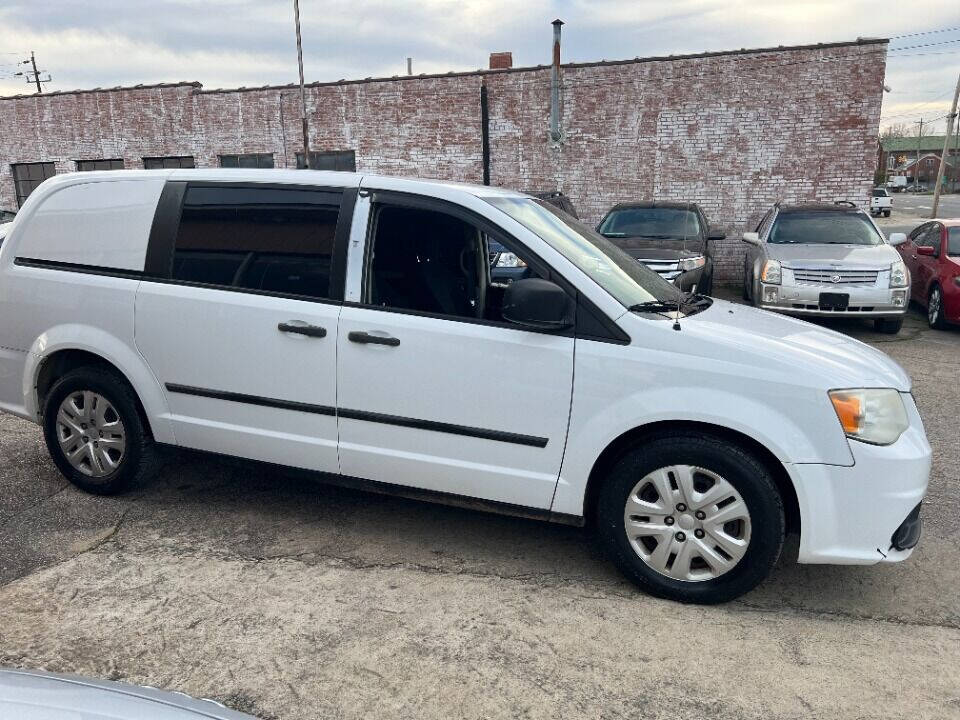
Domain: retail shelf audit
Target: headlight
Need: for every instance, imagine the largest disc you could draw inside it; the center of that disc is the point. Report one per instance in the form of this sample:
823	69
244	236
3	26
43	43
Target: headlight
509	260
771	272
693	263
898	274
875	416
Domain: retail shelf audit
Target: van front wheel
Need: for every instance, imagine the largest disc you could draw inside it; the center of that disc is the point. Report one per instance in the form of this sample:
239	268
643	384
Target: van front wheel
94	432
692	518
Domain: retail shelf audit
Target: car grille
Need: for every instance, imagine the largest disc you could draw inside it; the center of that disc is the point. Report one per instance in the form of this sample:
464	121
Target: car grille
821	276
667	269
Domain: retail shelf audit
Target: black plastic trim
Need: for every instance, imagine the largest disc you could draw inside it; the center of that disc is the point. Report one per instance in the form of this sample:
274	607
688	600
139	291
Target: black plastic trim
465	430
78	267
433	426
252	399
341	244
163	232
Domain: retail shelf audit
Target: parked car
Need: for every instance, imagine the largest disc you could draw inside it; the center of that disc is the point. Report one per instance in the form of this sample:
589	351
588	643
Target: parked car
671	238
7	216
346	324
34	695
826	260
897	183
932	254
880	202
557	199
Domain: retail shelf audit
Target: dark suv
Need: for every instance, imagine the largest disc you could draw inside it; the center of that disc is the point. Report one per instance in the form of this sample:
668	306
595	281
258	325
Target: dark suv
671	238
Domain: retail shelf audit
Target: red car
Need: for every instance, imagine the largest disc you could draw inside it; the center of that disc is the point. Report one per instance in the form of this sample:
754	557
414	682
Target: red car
932	253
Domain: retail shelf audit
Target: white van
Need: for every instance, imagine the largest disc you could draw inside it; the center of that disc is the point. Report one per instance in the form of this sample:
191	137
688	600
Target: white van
348	324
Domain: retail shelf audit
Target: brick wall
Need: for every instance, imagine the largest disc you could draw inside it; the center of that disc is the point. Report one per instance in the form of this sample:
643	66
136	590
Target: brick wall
733	132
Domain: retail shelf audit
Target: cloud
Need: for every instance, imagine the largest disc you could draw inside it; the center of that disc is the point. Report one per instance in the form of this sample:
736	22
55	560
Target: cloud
230	43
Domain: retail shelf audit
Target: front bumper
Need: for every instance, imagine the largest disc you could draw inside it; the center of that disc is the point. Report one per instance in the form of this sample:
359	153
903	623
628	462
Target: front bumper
870	302
850	515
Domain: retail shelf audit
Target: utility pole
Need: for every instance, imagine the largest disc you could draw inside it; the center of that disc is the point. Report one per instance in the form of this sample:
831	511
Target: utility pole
303	94
946	148
36	73
916	168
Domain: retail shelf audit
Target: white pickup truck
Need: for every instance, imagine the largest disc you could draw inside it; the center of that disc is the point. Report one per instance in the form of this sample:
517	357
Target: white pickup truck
881	203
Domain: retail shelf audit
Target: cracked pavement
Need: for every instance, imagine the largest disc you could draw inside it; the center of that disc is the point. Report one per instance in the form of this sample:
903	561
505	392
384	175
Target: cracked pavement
290	599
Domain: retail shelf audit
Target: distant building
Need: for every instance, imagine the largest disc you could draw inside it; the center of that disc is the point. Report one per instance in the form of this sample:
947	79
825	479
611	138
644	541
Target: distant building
733	131
919	159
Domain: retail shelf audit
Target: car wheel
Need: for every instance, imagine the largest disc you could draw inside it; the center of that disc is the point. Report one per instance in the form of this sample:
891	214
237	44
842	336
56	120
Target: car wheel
94	431
692	518
886	213
890	326
935	316
746	287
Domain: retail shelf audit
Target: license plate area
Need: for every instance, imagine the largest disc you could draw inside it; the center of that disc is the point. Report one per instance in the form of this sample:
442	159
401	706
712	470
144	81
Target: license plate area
834	301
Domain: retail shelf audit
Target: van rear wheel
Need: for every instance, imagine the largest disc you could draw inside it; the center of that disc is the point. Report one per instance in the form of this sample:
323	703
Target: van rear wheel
94	431
690	517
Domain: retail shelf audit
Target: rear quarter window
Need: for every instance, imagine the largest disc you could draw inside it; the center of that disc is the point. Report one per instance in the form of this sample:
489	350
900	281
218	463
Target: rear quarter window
102	224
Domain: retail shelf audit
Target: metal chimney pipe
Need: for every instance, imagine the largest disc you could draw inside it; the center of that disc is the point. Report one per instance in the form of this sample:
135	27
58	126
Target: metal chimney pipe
410	66
555	83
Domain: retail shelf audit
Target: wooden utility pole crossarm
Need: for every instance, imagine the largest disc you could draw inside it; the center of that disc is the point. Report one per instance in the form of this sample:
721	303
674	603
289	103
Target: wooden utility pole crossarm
951	118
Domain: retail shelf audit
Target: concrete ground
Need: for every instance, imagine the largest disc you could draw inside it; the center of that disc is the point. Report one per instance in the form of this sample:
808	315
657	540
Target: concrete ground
294	600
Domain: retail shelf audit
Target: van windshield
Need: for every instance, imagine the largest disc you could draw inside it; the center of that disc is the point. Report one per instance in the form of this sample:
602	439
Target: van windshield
631	283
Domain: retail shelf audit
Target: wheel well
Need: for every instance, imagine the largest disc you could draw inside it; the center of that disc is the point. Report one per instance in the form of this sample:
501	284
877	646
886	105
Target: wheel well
616	449
63	361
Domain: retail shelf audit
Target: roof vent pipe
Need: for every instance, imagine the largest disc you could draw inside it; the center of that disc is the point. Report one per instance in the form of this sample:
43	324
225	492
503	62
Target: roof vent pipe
555	134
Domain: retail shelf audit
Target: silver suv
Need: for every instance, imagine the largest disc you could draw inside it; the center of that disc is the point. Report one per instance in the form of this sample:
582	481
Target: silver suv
826	260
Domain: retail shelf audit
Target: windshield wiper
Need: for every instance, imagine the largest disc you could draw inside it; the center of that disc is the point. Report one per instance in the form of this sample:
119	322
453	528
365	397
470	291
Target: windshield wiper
654	306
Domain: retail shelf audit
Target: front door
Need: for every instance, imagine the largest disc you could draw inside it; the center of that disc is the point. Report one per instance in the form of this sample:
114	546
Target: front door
436	390
242	334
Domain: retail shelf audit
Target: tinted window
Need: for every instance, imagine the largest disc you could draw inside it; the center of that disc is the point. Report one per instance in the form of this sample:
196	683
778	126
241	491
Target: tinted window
932	237
88	165
880	192
826	228
167	163
247	160
27	176
432	262
953	241
651	222
273	240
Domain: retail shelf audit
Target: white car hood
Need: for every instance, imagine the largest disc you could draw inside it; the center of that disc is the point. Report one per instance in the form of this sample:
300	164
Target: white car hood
773	342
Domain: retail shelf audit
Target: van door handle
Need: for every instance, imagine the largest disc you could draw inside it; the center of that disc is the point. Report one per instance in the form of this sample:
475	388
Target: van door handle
365	338
308	330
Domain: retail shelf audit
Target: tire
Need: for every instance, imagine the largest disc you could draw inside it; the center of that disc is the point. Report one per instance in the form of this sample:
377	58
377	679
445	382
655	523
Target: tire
886	213
707	288
889	326
935	316
744	476
746	289
131	456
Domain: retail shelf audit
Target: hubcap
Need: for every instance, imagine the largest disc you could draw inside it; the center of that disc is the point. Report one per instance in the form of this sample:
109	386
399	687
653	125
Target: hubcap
933	307
91	433
711	508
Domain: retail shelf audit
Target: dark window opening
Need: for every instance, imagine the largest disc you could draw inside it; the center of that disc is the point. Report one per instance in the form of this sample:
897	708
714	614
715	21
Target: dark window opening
88	165
272	240
247	160
167	163
27	176
431	262
345	160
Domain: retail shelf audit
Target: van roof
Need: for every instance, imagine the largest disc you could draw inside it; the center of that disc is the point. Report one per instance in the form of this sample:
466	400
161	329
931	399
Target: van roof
320	178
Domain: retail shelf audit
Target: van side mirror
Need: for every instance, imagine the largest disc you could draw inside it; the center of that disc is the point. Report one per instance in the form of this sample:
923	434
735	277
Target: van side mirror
717	236
537	304
925	250
897	238
752	238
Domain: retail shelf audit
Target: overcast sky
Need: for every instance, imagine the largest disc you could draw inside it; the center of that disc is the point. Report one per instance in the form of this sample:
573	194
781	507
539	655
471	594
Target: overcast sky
232	43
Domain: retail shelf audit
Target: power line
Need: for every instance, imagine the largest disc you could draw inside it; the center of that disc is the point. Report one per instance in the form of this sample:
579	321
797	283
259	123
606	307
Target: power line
925	32
923	45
